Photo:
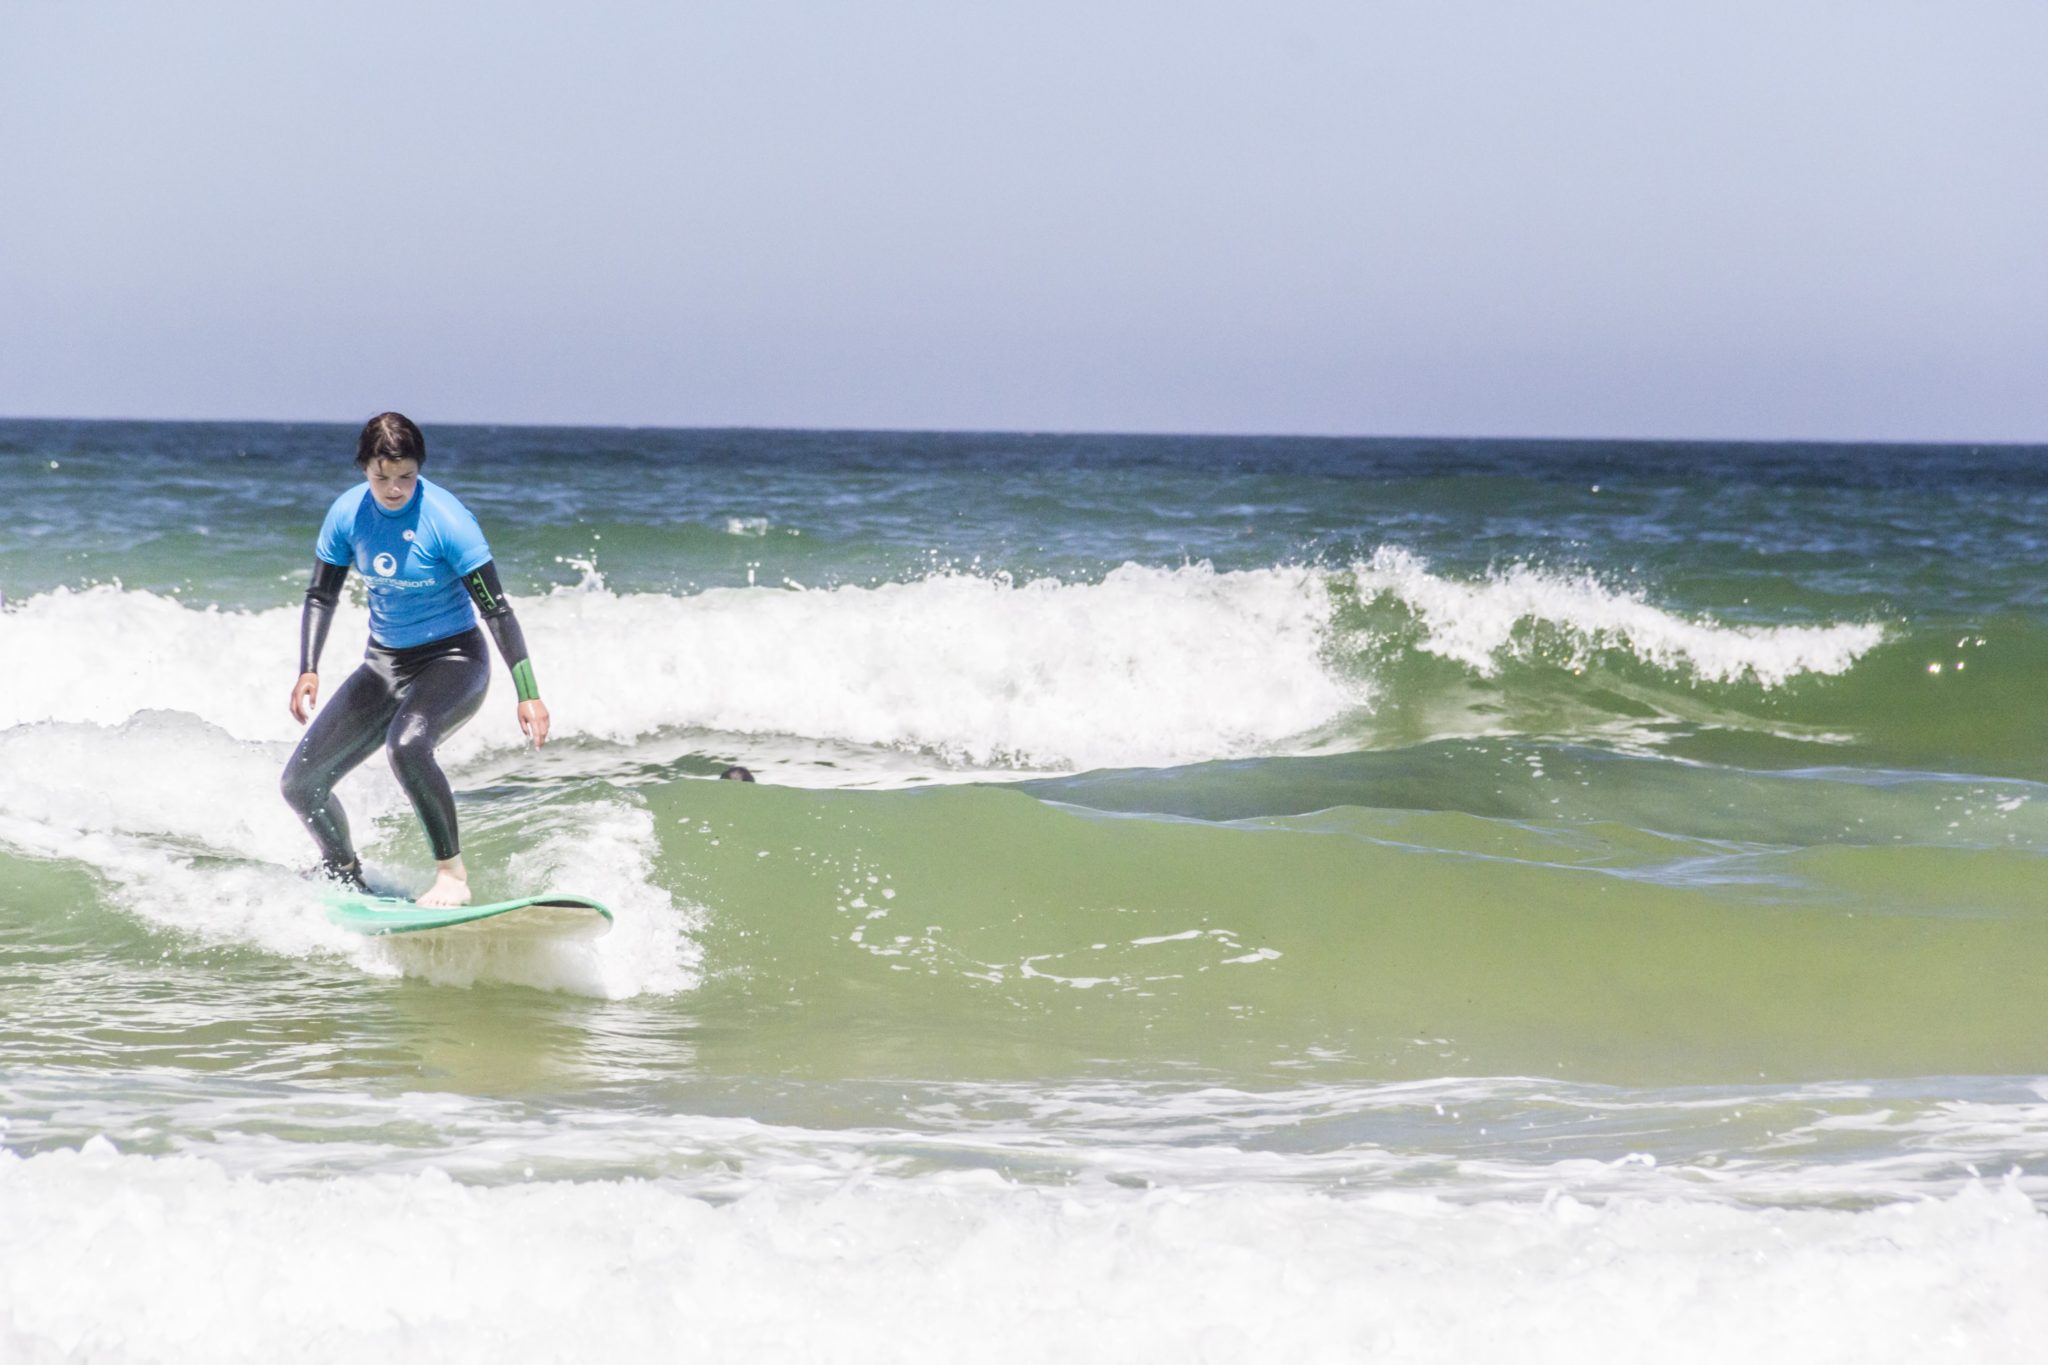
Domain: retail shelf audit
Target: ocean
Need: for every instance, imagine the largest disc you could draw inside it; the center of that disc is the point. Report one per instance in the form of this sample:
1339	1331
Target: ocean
1205	899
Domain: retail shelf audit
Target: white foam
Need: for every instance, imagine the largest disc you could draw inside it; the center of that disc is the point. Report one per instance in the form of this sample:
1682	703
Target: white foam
119	1258
103	654
1148	666
1475	624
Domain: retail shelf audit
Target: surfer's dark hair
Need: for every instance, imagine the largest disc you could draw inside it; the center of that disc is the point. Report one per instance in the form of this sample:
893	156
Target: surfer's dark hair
390	436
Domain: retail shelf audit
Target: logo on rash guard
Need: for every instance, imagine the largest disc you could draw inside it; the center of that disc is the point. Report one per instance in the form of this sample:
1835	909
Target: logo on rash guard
385	565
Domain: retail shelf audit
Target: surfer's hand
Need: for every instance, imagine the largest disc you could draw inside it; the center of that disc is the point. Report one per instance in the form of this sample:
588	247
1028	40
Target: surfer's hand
533	719
305	692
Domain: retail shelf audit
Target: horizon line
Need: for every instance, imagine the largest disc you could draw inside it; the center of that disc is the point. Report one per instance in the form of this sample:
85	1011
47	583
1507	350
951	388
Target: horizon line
1052	432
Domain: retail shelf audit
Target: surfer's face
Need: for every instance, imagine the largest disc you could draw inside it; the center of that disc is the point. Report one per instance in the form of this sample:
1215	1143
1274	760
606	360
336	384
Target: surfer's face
392	481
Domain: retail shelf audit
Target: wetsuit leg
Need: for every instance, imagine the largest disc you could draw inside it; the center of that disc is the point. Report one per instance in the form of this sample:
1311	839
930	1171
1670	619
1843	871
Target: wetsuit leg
438	697
345	732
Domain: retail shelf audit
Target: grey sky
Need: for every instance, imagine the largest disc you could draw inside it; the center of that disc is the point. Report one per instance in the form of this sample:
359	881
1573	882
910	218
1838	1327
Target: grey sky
1503	217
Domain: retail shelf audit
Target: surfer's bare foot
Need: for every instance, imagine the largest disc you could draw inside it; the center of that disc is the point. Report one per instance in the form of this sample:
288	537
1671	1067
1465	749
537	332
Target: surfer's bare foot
451	886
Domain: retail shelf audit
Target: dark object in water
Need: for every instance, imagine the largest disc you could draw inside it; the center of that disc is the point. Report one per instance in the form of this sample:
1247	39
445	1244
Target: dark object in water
736	774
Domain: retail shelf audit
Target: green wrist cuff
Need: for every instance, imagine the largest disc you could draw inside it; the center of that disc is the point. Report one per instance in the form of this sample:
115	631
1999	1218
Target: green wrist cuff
522	678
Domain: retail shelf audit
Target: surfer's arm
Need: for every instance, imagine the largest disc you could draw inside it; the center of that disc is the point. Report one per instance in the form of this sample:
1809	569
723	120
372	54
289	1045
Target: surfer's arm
321	596
496	609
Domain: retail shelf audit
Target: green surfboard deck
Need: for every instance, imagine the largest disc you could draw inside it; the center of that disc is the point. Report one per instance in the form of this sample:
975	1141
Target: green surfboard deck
552	915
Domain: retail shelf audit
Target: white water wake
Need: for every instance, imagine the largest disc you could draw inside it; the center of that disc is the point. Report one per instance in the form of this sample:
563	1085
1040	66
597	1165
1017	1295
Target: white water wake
184	826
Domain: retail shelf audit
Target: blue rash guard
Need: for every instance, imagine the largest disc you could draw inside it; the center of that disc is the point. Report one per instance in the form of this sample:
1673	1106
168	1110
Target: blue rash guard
413	559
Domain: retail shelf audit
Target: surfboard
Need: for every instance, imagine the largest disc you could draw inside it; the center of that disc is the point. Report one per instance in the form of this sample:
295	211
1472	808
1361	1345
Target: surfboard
551	916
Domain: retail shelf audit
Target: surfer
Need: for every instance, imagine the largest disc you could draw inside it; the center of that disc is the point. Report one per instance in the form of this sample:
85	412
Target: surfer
425	670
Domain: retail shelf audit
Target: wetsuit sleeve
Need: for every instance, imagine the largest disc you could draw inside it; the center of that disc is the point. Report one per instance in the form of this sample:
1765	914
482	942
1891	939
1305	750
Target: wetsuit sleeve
321	595
491	604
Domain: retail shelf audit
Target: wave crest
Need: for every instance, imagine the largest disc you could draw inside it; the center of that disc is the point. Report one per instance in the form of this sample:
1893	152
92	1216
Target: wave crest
1144	667
1479	623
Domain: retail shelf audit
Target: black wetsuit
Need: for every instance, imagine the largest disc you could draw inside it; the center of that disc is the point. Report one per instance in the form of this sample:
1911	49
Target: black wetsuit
406	700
